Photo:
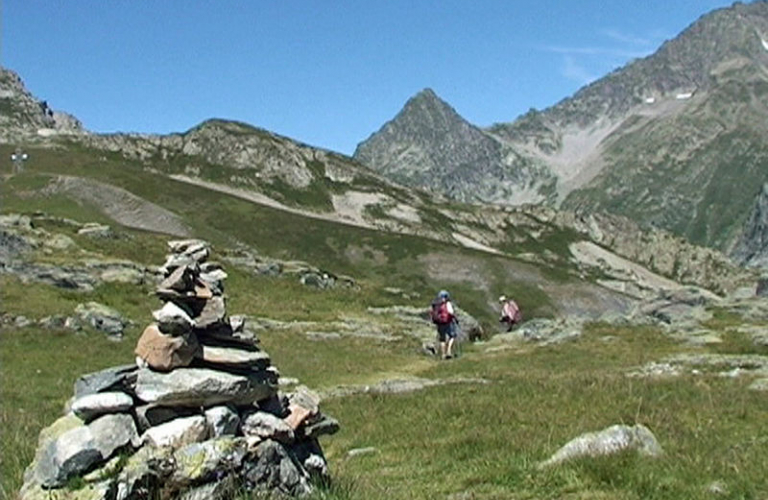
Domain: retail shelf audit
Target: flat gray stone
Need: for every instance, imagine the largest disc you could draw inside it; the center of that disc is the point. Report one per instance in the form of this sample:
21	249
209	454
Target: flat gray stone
117	378
203	387
93	405
229	356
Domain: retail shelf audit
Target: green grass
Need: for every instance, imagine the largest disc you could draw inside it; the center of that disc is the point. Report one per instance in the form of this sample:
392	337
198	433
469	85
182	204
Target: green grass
479	441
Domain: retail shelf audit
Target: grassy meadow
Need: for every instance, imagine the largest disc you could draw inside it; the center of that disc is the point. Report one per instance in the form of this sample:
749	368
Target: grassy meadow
479	439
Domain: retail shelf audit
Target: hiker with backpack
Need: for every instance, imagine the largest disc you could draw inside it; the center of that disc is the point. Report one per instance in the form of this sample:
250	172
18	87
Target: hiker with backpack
444	317
510	313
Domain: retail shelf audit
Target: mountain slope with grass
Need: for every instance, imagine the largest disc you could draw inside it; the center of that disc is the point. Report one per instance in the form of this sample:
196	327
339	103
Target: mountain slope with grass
675	140
334	267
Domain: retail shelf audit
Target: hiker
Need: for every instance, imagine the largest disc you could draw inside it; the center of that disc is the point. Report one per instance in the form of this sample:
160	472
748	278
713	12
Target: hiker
444	316
510	313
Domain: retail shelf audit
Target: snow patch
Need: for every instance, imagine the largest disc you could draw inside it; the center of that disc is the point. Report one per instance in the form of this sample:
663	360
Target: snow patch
765	44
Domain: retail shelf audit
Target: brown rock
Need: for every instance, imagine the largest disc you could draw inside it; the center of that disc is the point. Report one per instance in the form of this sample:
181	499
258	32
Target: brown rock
166	352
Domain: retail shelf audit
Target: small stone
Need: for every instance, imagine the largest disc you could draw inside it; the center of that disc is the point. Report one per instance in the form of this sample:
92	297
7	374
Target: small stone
213	313
355	452
320	426
222	421
266	426
173	320
180	280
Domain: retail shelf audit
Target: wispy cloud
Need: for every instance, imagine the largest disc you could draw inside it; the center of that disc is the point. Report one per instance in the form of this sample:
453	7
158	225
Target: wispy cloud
574	71
627	38
614	47
595	51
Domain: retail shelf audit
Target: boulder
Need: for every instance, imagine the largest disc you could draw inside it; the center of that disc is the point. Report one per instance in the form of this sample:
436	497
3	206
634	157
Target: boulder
202	387
77	449
166	352
609	441
93	405
177	433
101	318
266	426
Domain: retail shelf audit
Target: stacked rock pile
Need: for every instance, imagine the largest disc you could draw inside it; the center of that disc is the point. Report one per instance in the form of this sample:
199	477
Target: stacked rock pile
197	416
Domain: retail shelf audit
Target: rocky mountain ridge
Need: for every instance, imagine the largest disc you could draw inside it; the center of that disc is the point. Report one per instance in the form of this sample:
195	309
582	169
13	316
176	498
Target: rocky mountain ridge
667	140
240	160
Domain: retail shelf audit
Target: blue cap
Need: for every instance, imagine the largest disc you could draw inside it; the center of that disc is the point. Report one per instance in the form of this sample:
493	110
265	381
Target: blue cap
443	294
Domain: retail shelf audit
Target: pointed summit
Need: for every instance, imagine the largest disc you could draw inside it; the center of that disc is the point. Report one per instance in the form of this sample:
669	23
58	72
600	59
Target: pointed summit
426	140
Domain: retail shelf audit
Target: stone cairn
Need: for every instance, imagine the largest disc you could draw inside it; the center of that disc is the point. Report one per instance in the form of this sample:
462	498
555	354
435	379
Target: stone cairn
197	416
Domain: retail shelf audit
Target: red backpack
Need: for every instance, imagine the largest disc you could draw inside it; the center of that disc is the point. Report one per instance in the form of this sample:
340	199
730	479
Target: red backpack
439	313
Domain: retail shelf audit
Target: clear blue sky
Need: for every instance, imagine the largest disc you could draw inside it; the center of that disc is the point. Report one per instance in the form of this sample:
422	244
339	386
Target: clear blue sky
328	73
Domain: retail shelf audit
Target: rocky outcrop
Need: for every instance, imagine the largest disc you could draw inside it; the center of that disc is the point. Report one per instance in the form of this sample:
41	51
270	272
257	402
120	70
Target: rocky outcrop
752	247
22	116
21	239
198	415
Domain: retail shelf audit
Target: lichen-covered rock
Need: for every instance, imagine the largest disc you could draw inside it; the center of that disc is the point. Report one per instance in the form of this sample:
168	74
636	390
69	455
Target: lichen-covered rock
203	461
70	452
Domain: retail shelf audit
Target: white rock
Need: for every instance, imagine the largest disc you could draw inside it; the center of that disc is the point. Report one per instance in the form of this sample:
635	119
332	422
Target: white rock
178	432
